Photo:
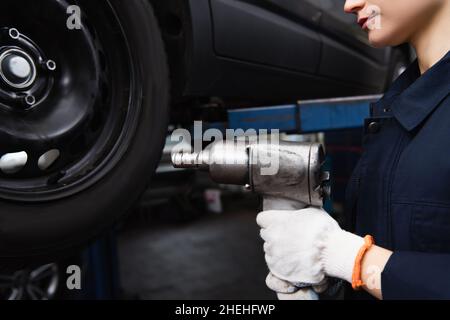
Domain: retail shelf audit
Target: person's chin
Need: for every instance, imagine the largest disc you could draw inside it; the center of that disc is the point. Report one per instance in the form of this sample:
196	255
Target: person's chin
377	39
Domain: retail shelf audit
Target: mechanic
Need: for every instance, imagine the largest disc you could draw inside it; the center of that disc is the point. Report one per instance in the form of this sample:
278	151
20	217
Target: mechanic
399	193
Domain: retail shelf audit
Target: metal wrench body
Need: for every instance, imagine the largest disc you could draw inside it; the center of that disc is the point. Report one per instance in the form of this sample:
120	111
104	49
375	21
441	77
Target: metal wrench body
287	175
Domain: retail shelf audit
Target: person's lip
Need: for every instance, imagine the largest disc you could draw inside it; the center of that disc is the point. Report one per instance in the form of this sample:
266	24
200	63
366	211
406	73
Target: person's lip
363	21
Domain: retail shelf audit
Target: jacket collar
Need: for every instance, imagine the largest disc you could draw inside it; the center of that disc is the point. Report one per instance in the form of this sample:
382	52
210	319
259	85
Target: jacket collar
413	97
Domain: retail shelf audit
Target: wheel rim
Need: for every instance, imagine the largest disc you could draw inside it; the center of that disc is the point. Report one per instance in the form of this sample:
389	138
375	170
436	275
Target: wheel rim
38	284
67	112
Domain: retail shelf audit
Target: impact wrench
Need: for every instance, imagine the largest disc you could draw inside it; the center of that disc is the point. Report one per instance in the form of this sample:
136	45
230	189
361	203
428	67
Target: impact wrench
288	175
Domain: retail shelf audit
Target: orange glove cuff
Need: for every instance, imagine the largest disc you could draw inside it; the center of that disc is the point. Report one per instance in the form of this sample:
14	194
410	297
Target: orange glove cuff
357	282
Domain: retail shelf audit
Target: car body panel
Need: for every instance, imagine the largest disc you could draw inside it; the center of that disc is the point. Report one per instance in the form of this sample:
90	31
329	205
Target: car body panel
261	36
274	51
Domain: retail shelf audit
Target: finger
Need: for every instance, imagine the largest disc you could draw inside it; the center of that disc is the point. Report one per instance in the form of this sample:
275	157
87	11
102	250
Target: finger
321	287
267	247
305	294
267	218
264	235
279	286
269	260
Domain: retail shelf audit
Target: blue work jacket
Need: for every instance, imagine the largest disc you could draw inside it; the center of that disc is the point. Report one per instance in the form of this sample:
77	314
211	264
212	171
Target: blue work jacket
400	190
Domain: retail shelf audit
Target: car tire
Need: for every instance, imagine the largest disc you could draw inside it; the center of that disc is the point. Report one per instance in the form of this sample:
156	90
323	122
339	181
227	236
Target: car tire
38	223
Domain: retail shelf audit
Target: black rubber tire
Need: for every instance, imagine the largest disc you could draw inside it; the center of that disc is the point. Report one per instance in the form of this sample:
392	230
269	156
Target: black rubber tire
33	230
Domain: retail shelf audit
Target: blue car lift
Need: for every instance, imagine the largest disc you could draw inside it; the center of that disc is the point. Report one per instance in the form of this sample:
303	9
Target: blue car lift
307	116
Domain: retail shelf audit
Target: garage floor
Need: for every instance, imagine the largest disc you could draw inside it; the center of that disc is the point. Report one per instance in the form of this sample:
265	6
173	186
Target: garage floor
212	257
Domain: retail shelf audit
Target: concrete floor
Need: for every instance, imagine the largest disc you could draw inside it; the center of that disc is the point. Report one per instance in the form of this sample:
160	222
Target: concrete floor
212	257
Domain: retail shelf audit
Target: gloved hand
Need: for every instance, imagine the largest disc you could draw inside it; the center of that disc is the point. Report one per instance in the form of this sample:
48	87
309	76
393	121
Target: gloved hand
287	291
303	247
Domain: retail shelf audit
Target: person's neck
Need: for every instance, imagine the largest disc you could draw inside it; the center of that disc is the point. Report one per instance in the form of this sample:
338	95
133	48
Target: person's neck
433	42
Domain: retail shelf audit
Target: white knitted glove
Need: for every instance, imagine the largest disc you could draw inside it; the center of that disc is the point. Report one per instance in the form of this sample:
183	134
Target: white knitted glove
287	291
303	247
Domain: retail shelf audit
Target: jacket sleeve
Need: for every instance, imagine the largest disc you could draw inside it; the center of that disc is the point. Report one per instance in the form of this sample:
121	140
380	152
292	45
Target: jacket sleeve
414	275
